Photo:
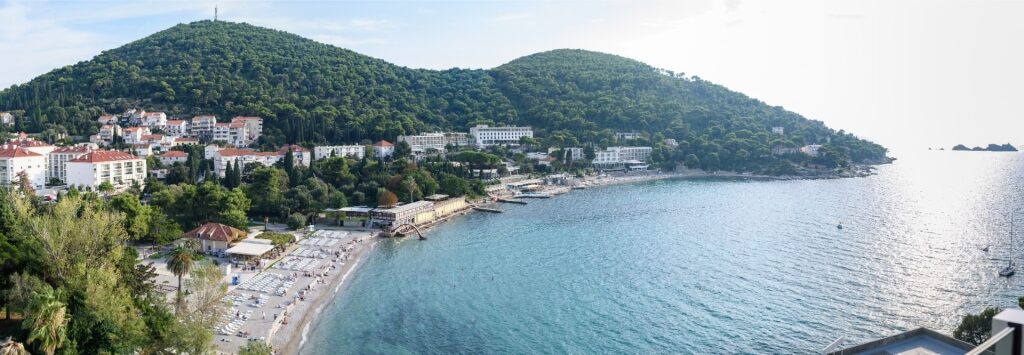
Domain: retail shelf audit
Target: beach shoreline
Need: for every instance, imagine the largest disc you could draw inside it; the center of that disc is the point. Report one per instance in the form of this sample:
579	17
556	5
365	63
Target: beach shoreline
289	338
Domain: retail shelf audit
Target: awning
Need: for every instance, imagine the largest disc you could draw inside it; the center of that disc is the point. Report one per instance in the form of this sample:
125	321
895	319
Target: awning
250	249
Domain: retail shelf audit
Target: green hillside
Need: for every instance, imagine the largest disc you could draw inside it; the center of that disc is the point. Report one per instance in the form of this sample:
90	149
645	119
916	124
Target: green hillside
310	92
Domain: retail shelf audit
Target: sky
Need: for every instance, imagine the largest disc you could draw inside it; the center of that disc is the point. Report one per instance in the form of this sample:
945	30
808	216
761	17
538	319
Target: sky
906	74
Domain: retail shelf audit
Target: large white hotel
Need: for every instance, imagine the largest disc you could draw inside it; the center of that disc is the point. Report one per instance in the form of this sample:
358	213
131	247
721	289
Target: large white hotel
484	135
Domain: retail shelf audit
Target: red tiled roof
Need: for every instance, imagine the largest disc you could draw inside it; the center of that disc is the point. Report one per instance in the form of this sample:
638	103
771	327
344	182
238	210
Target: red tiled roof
131	129
186	139
216	232
295	148
28	143
100	156
75	149
106	117
152	137
175	154
7	151
383	143
222	124
175	122
245	118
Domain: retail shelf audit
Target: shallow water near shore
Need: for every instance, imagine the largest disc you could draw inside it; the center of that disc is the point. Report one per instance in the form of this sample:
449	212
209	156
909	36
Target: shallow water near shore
696	266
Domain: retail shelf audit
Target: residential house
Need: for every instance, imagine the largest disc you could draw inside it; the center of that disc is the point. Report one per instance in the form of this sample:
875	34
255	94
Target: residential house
173	156
383	149
6	118
213	238
202	127
253	127
176	128
133	135
154	119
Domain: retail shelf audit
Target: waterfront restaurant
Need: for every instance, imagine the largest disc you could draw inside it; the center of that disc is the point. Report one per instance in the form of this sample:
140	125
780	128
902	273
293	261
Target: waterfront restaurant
250	249
399	215
213	238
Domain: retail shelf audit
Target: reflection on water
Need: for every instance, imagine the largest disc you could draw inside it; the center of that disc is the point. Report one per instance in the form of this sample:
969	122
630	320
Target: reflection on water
697	266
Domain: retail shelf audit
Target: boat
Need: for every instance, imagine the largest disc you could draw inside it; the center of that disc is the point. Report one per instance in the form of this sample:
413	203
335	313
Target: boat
1009	270
839	226
985	249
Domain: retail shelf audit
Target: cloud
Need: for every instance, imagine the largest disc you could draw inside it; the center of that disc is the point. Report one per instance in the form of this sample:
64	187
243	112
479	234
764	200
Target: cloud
348	42
509	17
37	45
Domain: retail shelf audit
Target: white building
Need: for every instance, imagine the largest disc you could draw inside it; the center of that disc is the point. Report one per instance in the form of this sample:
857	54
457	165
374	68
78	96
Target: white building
253	127
174	156
571	153
154	119
327	151
15	160
177	128
32	145
107	132
614	156
94	168
107	120
6	118
133	135
435	140
222	157
56	161
779	130
233	134
484	135
383	149
202	126
628	135
811	149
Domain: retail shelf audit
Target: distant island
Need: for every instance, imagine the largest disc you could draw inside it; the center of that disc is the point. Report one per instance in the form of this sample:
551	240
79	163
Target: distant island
991	148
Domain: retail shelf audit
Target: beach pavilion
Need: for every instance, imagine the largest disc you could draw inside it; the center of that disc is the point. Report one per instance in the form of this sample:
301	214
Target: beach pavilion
250	249
213	238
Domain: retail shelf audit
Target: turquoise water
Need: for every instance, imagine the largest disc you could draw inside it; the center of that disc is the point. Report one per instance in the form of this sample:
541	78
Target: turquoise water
695	267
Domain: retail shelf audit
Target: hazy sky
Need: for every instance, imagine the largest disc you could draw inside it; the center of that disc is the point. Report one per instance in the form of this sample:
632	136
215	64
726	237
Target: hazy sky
907	74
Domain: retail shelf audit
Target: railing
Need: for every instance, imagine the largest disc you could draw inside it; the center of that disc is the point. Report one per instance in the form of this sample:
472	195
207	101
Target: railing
1002	340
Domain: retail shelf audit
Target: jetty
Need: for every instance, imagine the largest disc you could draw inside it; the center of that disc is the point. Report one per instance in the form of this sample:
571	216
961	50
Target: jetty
486	209
506	200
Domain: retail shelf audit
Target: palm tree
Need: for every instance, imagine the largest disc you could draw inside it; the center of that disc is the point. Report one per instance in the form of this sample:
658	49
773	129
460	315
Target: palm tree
11	347
47	321
180	263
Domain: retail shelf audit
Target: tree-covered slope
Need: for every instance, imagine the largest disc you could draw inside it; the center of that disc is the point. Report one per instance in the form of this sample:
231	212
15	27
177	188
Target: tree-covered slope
315	93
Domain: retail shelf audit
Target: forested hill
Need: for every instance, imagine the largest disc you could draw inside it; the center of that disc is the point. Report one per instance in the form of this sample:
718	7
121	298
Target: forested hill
310	92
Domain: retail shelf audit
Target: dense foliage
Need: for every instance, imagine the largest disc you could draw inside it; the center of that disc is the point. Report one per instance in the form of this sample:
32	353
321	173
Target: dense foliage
314	93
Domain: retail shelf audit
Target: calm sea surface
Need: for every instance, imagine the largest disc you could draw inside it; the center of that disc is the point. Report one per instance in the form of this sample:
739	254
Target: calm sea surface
696	267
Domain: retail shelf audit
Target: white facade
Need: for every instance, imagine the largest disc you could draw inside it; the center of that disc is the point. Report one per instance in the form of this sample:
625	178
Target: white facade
56	161
177	128
234	134
94	168
6	118
154	119
107	120
571	153
14	160
174	156
327	151
202	126
811	149
484	135
622	155
779	130
133	135
253	127
628	135
222	157
383	149
435	140
107	132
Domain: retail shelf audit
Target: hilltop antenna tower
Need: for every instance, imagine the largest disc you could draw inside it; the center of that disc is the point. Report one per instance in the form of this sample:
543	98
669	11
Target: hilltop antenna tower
214	12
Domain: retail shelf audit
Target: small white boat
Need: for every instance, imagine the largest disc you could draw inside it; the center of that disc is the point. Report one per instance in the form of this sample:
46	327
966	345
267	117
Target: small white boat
1008	271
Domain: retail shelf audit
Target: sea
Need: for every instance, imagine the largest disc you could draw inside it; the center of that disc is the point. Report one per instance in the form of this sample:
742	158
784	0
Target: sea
700	266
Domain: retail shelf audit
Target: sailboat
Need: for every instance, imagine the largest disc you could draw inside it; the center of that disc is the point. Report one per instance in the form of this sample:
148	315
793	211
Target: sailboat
1009	270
